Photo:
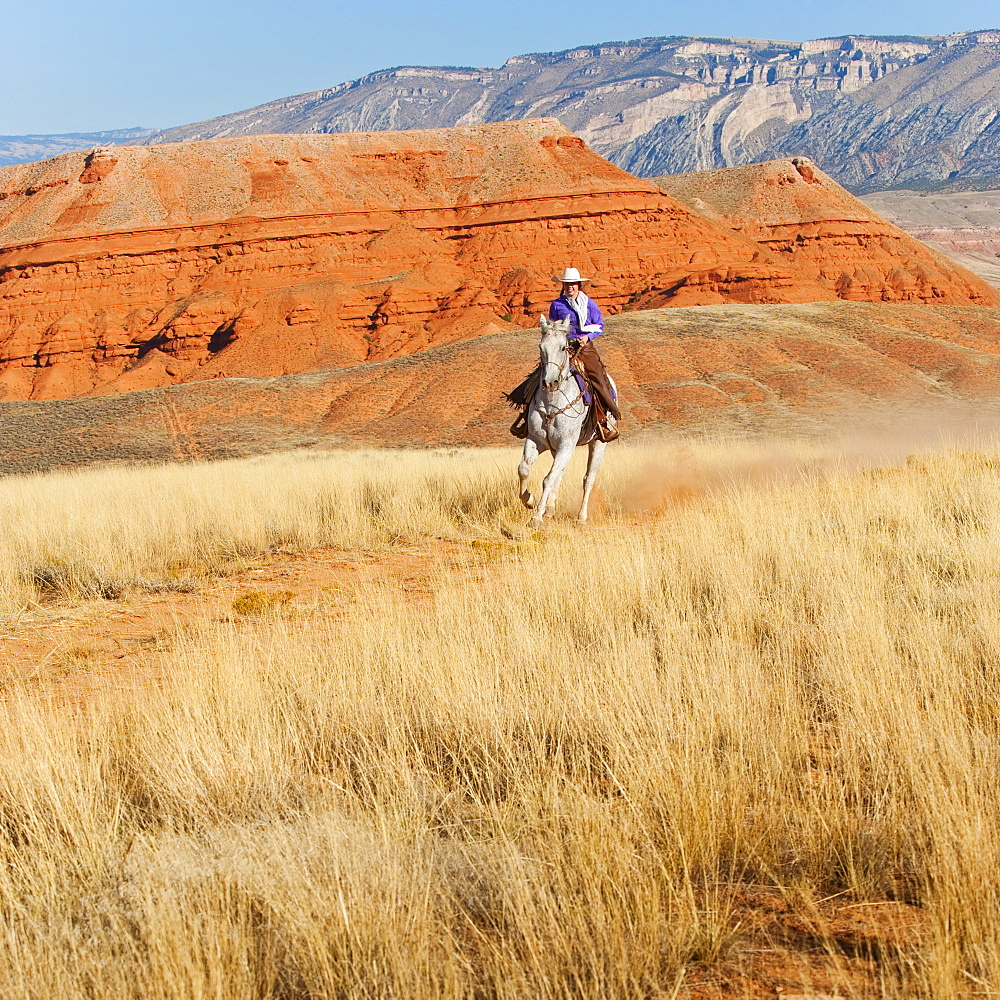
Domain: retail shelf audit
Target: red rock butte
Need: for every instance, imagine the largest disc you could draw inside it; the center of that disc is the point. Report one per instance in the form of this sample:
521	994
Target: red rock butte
140	267
805	218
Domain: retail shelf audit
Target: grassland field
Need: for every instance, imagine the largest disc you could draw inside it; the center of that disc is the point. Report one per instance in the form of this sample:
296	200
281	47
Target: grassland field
739	737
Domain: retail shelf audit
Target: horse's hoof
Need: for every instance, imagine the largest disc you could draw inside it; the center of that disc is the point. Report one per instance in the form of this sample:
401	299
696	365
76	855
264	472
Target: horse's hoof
535	523
528	500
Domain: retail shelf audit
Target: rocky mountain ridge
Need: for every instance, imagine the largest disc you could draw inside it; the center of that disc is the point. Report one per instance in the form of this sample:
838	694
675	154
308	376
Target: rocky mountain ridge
873	112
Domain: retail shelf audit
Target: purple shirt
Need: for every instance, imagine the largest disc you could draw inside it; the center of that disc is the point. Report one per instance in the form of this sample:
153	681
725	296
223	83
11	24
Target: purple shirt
561	309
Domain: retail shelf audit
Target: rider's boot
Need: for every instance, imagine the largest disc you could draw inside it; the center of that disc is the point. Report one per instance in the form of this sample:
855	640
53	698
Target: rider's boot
604	425
607	428
520	426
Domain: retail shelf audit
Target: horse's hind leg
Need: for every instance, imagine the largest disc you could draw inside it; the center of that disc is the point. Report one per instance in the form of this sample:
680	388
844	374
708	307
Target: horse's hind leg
523	470
594	458
550	484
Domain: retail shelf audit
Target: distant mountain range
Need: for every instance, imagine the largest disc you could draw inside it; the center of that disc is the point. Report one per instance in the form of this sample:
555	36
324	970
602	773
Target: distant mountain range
875	112
27	148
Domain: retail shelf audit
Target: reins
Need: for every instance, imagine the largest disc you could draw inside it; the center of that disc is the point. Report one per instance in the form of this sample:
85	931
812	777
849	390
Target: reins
565	372
546	417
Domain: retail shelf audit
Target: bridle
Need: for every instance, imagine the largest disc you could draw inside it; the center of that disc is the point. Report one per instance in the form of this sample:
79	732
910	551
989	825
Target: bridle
563	374
563	371
572	347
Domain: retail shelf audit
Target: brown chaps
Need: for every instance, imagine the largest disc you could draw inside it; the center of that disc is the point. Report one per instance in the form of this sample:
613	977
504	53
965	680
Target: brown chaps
590	361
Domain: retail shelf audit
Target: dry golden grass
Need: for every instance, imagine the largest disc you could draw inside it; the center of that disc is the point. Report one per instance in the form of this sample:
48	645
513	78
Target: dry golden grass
95	533
556	779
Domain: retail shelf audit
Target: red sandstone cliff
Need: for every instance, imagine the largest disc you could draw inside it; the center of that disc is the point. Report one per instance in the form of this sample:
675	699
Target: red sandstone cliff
139	267
800	215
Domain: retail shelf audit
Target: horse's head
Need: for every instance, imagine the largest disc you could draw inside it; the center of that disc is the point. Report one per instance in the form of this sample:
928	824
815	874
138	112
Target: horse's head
554	351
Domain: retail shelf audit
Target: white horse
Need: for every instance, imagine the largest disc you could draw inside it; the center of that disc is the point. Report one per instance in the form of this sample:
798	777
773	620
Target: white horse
556	417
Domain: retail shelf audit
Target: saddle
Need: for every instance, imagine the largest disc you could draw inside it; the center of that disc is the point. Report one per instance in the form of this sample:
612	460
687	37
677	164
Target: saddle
596	422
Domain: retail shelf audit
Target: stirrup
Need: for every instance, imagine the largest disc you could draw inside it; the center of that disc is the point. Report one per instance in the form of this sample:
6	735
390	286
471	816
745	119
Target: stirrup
606	429
520	426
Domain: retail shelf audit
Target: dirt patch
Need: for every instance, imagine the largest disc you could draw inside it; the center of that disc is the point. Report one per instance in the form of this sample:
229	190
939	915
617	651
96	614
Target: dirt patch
792	947
96	642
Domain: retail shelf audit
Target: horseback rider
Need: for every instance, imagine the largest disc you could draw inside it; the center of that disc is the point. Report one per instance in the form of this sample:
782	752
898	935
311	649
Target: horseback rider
585	324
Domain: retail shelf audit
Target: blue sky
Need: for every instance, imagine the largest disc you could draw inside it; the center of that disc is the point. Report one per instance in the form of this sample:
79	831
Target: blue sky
68	66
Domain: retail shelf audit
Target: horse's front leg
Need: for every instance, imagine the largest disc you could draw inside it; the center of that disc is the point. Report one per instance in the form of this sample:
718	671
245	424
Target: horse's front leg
595	456
550	484
553	500
524	469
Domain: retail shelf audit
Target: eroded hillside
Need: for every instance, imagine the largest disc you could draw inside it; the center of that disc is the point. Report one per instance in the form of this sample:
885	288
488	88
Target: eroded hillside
963	224
800	215
744	369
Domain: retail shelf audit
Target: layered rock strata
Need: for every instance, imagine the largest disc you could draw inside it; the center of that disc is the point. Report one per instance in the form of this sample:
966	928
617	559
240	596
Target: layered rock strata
800	215
963	224
743	369
134	267
138	267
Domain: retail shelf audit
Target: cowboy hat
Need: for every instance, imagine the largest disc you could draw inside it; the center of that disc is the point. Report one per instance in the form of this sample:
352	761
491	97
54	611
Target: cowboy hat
570	274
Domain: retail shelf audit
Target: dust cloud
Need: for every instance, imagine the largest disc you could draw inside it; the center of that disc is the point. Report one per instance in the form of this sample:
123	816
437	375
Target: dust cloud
666	474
